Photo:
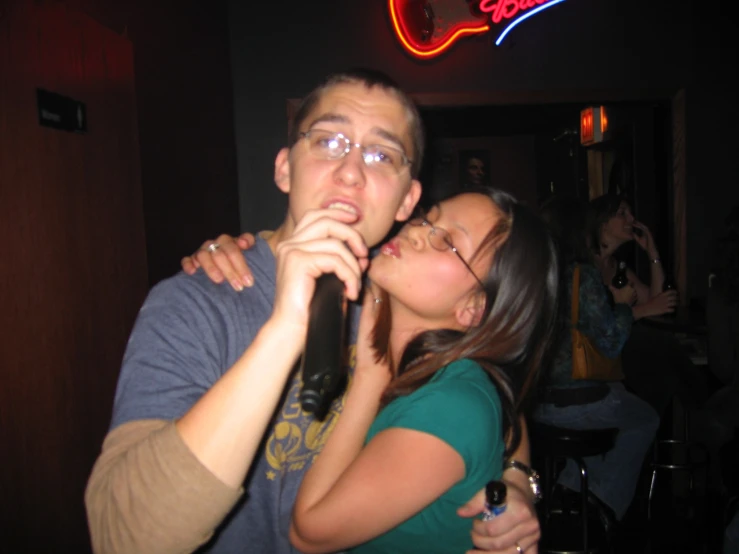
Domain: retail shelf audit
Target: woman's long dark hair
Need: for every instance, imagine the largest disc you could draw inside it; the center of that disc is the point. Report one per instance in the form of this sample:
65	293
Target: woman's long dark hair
515	330
567	219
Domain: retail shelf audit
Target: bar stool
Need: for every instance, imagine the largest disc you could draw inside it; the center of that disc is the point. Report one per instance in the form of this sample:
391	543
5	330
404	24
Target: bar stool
679	457
674	458
555	444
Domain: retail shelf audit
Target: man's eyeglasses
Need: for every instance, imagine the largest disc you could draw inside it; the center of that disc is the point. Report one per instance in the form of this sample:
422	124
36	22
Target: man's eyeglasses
441	240
330	145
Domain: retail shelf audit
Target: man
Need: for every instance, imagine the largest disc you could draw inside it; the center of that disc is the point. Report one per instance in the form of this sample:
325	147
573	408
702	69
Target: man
215	362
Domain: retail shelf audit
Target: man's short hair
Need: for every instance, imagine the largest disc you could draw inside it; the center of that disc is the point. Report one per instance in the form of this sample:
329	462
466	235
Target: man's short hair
369	78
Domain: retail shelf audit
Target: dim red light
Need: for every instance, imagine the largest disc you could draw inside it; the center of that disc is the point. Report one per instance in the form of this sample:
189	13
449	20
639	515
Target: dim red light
603	120
586	126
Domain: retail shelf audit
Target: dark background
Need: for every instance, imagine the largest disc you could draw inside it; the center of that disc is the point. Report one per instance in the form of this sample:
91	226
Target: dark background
209	76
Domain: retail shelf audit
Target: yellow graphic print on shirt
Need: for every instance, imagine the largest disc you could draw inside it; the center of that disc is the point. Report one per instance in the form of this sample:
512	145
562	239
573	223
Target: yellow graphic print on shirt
297	437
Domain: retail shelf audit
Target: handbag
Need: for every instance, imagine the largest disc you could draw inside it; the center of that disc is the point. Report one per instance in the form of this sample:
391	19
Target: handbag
587	361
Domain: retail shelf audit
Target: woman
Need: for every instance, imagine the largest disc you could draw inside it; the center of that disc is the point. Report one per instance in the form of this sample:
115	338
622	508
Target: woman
467	298
583	404
656	366
611	226
453	326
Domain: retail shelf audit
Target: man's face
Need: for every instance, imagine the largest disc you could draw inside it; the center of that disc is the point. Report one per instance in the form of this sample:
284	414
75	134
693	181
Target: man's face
475	171
365	116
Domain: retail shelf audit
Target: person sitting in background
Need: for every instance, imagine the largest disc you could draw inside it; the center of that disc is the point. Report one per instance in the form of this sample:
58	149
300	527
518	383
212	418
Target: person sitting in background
611	225
585	404
656	366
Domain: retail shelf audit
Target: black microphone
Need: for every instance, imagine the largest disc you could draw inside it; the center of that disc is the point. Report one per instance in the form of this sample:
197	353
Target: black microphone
322	366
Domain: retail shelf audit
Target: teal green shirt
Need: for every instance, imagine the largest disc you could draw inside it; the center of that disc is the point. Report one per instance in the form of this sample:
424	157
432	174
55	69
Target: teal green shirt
460	405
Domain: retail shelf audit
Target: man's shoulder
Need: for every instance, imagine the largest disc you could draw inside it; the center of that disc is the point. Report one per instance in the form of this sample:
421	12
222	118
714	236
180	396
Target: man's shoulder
184	290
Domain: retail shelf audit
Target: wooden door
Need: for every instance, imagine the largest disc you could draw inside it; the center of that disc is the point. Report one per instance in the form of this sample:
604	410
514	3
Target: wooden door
73	269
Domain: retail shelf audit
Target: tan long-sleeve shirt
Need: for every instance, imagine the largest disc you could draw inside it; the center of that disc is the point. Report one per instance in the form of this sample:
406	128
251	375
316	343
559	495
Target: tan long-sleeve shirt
148	493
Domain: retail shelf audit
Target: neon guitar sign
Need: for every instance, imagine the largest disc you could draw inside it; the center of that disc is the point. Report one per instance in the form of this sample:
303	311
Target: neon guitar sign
428	28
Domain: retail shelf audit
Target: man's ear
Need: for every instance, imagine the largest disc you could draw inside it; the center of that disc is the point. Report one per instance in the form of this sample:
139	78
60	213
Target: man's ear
409	201
469	314
282	170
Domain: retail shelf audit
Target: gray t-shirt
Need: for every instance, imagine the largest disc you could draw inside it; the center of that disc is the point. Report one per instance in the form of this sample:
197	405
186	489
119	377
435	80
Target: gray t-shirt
188	333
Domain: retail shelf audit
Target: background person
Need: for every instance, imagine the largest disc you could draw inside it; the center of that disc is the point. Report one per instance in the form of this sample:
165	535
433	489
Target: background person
656	366
587	404
611	226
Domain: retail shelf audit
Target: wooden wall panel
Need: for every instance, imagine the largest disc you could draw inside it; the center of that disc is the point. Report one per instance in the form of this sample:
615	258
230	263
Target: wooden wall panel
679	196
73	267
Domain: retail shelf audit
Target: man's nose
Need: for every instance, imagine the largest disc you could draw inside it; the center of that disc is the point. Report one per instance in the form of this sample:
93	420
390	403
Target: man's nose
351	168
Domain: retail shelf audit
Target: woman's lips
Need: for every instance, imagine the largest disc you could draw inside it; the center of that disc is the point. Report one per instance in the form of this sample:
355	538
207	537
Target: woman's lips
391	248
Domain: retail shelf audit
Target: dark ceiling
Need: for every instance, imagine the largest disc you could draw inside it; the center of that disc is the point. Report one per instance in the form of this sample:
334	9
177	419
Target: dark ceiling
486	121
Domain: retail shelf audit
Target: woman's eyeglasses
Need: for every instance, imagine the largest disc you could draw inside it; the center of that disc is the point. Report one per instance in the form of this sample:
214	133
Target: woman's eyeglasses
441	240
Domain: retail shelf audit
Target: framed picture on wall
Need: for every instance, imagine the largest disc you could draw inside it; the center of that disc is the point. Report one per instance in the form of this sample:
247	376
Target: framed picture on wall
474	167
506	162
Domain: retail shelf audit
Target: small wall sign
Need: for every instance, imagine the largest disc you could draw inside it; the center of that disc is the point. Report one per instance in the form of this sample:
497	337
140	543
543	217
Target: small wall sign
61	112
593	125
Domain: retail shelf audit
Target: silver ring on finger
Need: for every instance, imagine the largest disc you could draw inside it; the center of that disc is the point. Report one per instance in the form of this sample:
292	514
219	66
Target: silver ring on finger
519	550
213	246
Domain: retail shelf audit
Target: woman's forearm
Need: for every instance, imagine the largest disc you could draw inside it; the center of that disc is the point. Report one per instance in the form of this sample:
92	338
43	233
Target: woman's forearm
342	447
643	310
516	477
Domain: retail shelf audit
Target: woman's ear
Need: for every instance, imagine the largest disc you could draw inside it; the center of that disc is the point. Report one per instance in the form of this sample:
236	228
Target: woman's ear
470	313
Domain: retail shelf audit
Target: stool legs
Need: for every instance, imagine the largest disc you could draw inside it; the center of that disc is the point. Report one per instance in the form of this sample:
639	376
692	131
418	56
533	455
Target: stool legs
549	473
584	494
651	494
685	464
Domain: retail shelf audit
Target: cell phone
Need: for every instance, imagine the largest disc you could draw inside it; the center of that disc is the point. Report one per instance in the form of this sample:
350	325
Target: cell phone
638	232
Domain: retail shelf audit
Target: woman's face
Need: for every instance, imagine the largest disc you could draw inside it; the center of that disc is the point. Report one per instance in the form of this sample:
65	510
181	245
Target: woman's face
429	284
620	228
